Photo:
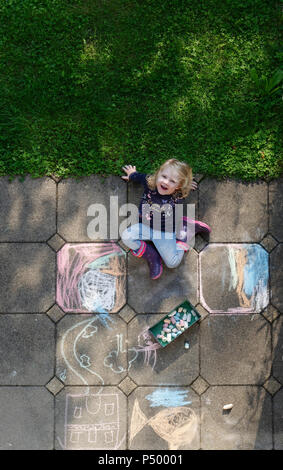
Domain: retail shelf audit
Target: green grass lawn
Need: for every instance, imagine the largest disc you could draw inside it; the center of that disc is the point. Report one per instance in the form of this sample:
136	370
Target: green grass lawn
87	86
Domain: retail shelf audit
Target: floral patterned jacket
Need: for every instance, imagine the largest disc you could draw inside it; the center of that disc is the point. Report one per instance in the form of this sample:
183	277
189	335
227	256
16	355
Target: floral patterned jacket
156	210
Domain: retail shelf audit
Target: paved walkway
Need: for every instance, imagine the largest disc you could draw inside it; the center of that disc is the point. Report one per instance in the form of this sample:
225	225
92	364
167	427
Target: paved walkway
73	379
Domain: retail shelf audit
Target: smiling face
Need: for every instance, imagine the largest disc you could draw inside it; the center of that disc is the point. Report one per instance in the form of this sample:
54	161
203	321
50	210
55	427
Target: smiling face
167	181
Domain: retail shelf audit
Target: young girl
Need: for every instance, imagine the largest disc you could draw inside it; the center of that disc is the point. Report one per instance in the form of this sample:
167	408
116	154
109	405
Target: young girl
170	184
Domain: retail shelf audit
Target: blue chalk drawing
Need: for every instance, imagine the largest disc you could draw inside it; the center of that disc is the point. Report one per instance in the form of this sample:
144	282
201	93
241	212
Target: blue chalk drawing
256	269
249	276
168	397
104	317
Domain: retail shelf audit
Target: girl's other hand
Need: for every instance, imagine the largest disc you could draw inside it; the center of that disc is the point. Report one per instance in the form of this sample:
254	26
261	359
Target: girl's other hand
194	185
129	169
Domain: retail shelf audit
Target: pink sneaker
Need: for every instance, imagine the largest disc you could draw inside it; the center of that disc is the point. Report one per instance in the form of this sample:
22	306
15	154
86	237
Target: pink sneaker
190	228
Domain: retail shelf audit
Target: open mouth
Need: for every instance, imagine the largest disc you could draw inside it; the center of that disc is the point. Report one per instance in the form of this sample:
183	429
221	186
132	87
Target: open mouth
163	187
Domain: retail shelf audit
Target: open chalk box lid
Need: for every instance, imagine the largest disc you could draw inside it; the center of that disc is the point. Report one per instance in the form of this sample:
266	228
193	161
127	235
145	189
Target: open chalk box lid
185	312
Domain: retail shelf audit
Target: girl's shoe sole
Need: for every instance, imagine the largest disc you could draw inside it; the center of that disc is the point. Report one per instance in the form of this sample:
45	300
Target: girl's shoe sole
201	224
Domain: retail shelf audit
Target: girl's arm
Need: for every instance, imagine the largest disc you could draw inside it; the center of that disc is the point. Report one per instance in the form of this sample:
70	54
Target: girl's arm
134	175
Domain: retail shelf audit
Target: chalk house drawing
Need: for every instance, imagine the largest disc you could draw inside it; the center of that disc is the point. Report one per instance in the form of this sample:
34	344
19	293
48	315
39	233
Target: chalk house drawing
176	424
92	420
91	277
239	273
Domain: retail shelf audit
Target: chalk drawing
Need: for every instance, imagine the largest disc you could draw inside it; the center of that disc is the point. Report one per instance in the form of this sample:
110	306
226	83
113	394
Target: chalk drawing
168	397
92	421
148	346
86	329
91	278
242	273
111	359
97	290
176	425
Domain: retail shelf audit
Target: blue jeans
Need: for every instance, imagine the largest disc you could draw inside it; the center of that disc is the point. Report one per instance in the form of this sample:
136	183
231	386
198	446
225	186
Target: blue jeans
169	251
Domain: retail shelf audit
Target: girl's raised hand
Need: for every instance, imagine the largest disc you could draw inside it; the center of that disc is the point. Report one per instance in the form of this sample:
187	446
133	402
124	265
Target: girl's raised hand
129	169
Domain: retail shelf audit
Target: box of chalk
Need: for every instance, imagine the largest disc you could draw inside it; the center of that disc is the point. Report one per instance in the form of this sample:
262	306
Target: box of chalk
175	323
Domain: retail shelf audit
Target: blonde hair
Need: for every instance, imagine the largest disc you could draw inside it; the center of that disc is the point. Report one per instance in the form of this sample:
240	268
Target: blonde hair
185	177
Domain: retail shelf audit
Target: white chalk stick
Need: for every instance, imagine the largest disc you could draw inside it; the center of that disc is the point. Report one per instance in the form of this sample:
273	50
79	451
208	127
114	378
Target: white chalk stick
228	407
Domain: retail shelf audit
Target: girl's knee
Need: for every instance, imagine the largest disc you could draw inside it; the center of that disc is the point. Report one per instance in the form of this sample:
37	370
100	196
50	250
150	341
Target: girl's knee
125	234
173	263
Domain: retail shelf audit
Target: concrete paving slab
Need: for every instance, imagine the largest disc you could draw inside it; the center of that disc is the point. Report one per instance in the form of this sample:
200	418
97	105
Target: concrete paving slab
278	421
163	294
277	341
31	359
163	418
235	349
91	349
234	278
276	277
235	211
27	209
26	418
155	365
248	425
91	277
275	208
76	216
27	277
91	418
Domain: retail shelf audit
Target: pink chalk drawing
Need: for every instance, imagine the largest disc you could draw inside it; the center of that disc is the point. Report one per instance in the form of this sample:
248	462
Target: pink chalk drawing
148	347
91	277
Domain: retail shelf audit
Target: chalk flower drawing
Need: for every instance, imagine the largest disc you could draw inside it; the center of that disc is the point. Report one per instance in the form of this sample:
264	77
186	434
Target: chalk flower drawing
85	361
111	360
